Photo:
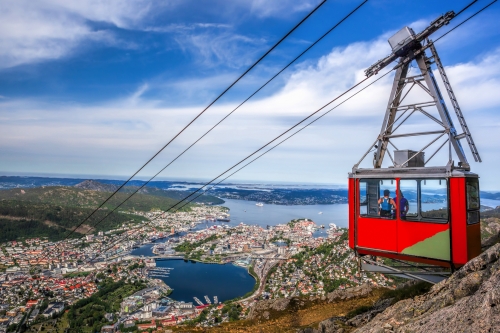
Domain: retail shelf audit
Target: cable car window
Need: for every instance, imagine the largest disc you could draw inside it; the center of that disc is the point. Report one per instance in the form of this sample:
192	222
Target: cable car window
423	200
473	203
408	199
472	194
434	198
363	204
376	198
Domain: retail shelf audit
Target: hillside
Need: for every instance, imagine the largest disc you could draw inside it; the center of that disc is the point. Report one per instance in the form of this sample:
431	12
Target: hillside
149	190
82	198
96	186
52	211
20	219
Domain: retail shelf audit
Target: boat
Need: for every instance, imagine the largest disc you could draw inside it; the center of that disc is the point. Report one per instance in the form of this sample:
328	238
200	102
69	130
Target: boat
260	204
223	218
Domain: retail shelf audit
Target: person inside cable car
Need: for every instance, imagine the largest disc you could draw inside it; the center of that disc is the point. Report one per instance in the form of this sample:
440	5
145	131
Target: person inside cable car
387	205
404	206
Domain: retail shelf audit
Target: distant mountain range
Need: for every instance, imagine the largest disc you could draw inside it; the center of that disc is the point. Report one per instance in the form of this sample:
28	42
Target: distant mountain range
270	194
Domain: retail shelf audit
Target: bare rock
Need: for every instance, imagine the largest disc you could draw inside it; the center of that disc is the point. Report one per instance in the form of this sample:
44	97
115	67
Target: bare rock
261	307
365	317
468	301
349	293
330	325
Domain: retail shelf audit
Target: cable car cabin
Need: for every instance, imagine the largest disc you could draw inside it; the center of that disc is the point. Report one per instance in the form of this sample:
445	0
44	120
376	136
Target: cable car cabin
412	211
428	215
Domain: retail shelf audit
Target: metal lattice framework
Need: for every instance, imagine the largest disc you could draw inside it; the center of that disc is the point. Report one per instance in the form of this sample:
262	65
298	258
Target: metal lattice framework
408	47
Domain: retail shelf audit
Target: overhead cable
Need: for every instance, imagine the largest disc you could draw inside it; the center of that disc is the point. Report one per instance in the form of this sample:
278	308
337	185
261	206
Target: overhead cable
236	108
197	116
350	89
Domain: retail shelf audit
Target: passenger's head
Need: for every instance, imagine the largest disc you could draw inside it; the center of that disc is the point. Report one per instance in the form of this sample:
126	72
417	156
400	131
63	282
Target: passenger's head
401	193
386	193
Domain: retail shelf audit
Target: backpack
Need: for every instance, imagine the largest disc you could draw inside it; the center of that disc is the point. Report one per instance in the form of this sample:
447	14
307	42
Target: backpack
386	204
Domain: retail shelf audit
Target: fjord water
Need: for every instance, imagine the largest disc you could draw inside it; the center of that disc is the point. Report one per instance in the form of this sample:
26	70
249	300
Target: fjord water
194	279
190	279
248	213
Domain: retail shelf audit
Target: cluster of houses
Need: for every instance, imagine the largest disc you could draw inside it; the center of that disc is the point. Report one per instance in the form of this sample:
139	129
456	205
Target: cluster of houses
309	277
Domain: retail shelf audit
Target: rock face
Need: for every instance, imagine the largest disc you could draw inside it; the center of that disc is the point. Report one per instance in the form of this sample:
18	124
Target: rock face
263	309
96	186
469	301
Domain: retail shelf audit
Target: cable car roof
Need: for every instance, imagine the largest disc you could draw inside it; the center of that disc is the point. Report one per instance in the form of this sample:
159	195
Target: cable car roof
411	172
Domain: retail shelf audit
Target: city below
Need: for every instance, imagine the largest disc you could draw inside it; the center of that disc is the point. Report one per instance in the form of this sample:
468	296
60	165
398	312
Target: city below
159	268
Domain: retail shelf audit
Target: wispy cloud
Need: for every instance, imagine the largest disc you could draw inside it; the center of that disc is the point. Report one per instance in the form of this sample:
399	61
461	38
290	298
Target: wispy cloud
265	8
184	27
33	31
230	49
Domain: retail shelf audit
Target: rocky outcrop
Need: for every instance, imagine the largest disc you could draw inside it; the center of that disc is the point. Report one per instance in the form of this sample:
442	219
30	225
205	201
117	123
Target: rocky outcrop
263	310
490	226
469	301
93	185
346	294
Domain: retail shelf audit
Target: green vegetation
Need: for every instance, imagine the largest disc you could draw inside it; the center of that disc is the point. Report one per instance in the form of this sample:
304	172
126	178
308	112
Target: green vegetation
396	295
232	310
87	315
13	230
76	197
358	311
19	219
177	195
188	247
407	292
76	274
52	211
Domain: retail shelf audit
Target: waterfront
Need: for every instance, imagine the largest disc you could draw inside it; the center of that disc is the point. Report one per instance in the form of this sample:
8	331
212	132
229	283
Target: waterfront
191	279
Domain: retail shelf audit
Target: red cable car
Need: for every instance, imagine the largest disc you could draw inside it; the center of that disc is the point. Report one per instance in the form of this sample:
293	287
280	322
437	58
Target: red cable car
409	211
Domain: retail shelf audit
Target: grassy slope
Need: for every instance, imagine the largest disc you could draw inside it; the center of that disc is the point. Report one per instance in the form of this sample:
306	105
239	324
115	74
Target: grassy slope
300	313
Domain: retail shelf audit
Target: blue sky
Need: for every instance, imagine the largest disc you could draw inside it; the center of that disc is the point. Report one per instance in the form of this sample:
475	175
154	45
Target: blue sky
97	87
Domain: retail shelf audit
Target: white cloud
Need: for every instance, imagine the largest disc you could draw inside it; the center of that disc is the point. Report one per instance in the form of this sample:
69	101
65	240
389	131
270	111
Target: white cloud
33	31
115	138
265	8
215	48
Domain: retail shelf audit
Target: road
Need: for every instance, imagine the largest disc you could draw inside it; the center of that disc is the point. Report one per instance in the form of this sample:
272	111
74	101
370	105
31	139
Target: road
262	273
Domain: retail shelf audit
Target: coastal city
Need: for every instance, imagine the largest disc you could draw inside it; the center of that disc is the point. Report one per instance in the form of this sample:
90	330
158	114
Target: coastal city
47	283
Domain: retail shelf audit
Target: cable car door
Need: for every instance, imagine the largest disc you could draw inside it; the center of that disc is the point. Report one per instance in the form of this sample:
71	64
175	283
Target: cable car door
375	228
423	215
